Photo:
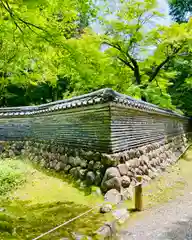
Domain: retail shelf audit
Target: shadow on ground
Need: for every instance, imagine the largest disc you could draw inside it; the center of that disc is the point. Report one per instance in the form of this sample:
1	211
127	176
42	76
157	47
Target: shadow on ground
64	177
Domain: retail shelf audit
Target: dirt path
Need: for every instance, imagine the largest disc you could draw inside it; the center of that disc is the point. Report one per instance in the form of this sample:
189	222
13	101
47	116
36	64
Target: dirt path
172	220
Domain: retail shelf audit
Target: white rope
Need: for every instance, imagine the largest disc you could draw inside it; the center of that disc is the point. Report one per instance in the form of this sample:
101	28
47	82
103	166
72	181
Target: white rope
65	223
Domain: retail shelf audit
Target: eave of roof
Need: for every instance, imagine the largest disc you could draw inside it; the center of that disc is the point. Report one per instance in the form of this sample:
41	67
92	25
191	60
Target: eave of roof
100	96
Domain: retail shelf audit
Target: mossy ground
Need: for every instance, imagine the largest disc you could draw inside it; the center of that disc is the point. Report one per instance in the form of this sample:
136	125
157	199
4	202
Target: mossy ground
44	201
172	183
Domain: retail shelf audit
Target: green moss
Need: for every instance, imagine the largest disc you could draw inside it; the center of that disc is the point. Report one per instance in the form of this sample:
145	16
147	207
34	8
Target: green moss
45	201
171	183
6	227
11	176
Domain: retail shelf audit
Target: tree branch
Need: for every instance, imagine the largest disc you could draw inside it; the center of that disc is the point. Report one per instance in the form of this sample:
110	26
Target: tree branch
136	69
167	59
126	63
133	65
14	17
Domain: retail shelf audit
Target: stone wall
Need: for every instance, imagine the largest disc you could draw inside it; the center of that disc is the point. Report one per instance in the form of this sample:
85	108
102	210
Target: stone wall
102	139
109	171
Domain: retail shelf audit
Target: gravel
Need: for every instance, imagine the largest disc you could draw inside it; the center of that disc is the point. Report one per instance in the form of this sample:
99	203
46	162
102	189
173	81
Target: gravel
172	220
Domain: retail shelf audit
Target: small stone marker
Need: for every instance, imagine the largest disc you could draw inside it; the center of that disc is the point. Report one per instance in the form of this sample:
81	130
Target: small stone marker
106	208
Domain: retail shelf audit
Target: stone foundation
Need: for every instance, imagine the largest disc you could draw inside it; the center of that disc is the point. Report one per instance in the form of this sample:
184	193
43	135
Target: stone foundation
109	171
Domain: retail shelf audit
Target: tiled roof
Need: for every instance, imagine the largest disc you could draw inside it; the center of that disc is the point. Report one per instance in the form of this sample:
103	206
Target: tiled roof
100	96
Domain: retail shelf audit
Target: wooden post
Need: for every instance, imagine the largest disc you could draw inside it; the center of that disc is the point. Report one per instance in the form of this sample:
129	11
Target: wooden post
138	195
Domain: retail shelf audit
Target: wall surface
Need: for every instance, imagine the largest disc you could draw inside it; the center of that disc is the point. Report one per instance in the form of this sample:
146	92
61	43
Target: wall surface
86	127
133	128
103	138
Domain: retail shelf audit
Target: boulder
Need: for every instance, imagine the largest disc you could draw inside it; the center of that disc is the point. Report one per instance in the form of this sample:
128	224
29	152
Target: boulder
112	172
128	193
54	163
125	181
60	166
138	171
114	182
142	150
137	162
17	152
98	178
90	178
74	172
108	160
36	159
82	173
42	163
83	163
153	162
132	153
113	196
74	161
83	186
106	208
91	165
87	155
11	153
137	154
67	168
96	157
145	169
64	158
127	156
61	150
130	174
97	166
54	149
122	159
51	165
123	169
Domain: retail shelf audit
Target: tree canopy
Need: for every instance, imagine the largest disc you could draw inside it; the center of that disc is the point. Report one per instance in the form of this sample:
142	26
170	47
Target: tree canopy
181	10
49	51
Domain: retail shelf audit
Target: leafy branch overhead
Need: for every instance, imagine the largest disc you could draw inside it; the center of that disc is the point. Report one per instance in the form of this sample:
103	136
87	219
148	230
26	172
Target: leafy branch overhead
53	49
130	36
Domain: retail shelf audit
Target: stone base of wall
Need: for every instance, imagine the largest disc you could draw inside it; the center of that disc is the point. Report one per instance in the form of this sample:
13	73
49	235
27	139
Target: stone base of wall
145	161
109	171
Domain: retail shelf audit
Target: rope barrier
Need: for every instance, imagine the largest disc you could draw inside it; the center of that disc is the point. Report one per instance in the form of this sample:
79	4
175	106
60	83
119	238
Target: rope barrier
65	223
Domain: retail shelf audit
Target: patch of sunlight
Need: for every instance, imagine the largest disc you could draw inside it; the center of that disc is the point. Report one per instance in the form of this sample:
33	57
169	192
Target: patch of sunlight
41	188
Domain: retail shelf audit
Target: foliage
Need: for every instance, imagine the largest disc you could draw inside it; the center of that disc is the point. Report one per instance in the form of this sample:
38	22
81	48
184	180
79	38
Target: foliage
180	10
48	51
181	89
129	39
